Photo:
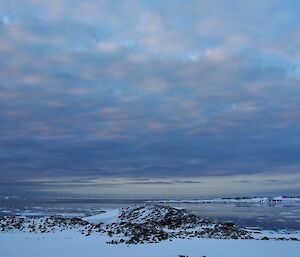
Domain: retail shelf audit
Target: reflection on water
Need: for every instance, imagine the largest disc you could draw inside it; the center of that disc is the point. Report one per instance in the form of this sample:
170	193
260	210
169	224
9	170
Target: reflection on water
267	216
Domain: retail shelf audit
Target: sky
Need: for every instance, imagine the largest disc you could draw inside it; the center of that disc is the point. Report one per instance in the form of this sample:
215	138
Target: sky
149	98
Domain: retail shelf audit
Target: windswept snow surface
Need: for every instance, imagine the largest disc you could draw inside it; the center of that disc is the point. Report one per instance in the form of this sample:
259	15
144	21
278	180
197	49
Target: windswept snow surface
66	244
107	217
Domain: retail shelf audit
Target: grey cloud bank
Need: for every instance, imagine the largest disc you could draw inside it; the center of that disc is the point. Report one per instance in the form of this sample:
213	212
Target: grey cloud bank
161	91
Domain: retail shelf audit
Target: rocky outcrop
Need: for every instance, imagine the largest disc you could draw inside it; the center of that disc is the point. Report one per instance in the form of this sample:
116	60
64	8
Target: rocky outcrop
154	223
135	225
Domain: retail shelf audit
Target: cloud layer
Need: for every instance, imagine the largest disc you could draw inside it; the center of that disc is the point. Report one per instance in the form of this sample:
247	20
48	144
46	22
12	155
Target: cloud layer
148	89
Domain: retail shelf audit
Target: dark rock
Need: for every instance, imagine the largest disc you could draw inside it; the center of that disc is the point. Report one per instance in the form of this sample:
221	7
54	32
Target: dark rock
265	238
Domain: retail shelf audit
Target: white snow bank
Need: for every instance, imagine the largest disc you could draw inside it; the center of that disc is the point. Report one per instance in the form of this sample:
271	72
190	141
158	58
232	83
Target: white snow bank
109	216
66	244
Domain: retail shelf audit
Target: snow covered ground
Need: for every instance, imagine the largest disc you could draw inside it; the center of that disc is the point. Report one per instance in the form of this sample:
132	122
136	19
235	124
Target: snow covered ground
70	244
92	236
109	216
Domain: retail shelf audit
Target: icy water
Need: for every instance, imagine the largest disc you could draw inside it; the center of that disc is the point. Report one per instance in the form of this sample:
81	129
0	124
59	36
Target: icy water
264	216
282	215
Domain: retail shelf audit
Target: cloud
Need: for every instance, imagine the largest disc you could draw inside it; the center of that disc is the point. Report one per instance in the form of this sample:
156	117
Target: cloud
150	183
216	55
164	188
129	89
108	47
188	182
